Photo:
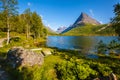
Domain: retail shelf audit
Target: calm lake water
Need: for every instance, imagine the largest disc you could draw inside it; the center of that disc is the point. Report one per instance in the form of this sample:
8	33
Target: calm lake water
84	43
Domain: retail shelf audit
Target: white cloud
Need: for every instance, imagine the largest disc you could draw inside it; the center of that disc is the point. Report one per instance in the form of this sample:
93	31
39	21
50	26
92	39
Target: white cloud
101	22
91	12
45	21
48	25
41	16
29	4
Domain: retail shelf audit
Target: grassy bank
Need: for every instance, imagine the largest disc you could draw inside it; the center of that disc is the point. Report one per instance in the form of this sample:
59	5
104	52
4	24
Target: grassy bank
68	65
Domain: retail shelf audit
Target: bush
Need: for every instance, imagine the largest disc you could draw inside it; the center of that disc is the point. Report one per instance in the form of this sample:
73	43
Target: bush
68	70
26	73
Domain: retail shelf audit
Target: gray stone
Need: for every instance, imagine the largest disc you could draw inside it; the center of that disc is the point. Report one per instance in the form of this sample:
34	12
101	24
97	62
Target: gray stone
19	56
46	52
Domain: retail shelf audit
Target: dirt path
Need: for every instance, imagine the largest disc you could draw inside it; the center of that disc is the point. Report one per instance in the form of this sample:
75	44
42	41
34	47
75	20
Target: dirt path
1	42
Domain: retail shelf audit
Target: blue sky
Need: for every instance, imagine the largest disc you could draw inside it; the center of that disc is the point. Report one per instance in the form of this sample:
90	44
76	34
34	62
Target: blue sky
57	13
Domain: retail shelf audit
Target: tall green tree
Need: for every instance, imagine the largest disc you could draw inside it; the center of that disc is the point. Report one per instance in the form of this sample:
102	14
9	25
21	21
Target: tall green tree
9	8
37	26
45	31
2	23
27	18
116	20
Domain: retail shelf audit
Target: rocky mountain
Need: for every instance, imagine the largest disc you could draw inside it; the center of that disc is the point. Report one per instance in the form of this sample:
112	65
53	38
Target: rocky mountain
83	19
61	29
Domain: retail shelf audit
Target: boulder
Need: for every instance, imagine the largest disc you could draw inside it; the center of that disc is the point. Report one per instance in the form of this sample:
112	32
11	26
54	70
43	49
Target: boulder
19	56
46	52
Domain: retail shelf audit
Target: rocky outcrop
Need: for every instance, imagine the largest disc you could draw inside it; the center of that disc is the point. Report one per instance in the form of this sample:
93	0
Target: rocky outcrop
19	56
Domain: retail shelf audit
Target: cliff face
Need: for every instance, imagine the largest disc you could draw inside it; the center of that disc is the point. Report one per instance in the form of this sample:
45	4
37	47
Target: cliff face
82	20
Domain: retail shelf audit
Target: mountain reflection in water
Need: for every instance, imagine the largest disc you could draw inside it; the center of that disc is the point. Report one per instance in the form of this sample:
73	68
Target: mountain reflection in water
85	44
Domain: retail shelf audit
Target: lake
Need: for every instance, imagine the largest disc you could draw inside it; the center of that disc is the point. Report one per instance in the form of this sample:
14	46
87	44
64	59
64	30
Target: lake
84	43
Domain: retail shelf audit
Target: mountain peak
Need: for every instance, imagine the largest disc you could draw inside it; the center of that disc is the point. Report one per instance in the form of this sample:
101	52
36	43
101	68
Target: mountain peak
85	19
83	14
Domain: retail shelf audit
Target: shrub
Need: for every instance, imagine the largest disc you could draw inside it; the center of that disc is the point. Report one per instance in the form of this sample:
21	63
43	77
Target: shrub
74	71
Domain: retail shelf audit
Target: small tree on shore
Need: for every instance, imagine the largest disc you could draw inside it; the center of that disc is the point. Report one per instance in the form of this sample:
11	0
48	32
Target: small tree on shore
116	20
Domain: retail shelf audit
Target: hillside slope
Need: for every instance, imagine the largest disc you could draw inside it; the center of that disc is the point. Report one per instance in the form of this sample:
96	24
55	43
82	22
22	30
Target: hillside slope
50	31
88	30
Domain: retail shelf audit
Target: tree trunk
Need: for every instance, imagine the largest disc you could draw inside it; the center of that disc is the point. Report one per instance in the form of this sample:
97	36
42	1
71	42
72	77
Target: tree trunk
27	32
8	31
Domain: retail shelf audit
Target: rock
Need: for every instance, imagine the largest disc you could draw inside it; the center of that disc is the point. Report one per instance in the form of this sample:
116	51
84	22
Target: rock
19	56
3	75
46	52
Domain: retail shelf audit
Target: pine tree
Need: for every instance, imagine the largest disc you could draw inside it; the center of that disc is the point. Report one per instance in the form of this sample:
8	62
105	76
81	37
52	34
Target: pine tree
27	17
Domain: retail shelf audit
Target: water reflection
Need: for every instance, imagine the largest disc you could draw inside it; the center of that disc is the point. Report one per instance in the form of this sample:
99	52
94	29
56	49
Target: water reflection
82	43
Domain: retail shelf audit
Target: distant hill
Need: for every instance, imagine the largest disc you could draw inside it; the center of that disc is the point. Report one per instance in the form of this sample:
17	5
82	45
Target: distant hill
82	20
61	29
50	31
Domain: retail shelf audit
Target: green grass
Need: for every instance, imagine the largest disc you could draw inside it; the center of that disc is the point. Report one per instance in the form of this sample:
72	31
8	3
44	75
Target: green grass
90	30
2	34
49	72
55	64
